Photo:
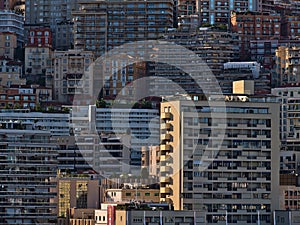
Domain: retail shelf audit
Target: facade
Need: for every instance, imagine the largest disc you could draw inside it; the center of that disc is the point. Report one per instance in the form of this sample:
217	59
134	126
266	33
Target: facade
289	197
263	51
8	44
188	22
13	23
38	51
69	74
150	159
287	65
218	12
289	98
254	26
141	124
133	194
16	95
11	72
142	21
107	154
215	47
4	4
283	217
249	71
77	192
238	178
17	98
9	4
54	14
28	166
125	217
290	26
55	123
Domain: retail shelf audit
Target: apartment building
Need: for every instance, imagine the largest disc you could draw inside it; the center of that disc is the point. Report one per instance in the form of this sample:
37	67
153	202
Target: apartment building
287	64
221	155
55	123
10	4
289	98
219	12
5	4
11	72
70	158
213	46
38	51
289	155
254	26
263	51
156	217
119	22
105	153
141	124
249	71
131	194
283	217
8	44
77	192
290	26
53	14
186	7
28	166
13	23
70	74
150	157
79	216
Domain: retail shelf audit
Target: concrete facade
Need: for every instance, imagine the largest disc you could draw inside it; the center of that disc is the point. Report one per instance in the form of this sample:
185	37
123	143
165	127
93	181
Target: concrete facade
238	178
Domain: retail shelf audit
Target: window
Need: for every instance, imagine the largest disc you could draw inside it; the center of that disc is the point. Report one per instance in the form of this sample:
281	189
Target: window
7	37
147	194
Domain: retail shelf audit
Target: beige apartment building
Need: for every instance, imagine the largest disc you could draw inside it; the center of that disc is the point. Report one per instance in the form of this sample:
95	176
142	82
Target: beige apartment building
221	155
69	74
288	65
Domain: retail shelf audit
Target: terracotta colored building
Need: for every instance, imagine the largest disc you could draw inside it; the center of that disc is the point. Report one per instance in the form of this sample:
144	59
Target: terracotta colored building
38	50
254	26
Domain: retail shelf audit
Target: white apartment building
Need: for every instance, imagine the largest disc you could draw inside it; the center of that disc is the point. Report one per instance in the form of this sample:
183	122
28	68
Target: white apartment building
12	22
141	124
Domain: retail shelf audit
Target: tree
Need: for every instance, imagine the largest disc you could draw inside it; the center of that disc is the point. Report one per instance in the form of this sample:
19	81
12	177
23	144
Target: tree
101	103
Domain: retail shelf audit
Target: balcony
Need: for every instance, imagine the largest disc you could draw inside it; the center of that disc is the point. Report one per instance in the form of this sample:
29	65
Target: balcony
165	126
166	115
165	190
164	158
165	147
165	179
165	137
165	169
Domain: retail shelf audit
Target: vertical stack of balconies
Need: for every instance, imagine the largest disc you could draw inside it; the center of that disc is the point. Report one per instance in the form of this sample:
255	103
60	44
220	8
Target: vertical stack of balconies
165	157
